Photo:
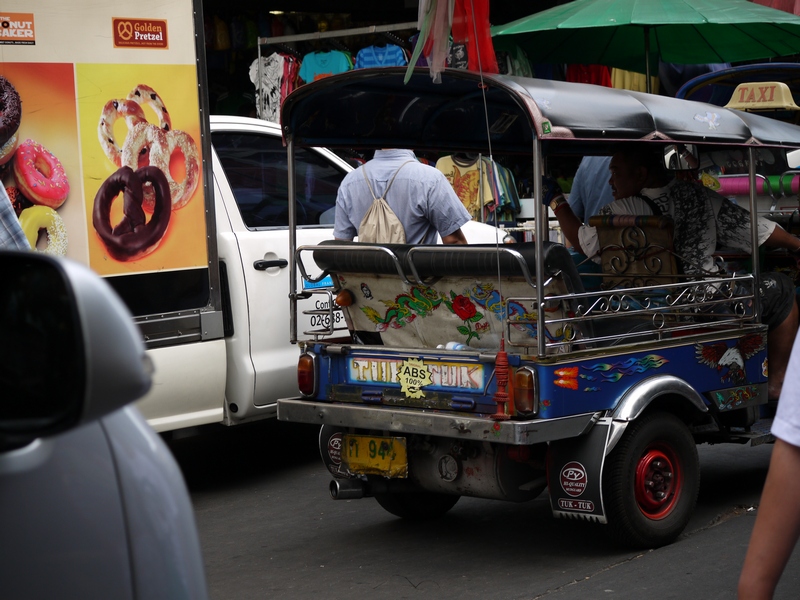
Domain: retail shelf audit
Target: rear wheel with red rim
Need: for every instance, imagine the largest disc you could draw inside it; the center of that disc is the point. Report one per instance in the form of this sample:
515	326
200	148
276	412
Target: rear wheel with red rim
651	481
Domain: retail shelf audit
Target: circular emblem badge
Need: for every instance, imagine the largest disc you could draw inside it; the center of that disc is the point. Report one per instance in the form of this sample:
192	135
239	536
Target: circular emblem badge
335	448
573	479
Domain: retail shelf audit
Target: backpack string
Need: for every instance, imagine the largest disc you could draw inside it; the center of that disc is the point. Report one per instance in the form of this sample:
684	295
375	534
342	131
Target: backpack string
391	181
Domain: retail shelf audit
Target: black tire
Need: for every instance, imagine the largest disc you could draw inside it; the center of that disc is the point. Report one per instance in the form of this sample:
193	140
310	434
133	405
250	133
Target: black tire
417	506
651	482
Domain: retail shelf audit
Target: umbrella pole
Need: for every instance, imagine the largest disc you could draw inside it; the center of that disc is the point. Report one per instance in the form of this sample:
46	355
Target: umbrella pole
647	58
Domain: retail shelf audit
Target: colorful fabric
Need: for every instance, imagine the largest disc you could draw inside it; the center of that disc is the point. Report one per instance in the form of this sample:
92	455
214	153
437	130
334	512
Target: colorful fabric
377	56
595	74
317	65
471	28
472	184
636	82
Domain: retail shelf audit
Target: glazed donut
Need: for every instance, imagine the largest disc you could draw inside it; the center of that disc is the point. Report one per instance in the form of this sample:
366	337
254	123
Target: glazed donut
7	149
132	238
143	94
40	176
10	110
36	218
158	146
112	111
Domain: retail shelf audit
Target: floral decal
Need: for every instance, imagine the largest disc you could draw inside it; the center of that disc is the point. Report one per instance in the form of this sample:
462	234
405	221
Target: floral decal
489	299
466	311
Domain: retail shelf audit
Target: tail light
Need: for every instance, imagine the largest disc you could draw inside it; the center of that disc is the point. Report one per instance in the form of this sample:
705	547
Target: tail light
525	393
307	374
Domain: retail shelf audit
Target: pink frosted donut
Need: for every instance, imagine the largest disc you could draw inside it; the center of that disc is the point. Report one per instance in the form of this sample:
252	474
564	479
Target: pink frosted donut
40	175
112	111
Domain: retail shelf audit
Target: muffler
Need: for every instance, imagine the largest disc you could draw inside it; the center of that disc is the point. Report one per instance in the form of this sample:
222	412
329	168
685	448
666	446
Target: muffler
347	489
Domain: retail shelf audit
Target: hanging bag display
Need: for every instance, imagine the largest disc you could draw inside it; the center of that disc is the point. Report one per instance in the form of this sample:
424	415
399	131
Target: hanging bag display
380	225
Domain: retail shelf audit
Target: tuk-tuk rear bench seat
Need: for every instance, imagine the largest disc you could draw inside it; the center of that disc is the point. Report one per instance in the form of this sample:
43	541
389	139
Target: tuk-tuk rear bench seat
429	296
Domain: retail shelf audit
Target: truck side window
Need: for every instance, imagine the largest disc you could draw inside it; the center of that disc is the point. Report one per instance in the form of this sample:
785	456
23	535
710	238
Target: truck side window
256	168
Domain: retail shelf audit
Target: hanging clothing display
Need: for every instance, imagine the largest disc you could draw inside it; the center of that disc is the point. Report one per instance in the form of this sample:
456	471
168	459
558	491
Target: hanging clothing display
471	182
629	80
317	65
471	29
380	56
596	74
278	77
480	182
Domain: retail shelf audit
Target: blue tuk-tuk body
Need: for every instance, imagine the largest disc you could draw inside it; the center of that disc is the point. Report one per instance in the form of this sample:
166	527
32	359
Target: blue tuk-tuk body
499	371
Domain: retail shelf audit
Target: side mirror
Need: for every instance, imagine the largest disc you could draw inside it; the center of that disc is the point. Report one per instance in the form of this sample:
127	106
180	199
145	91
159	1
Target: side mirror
681	157
69	350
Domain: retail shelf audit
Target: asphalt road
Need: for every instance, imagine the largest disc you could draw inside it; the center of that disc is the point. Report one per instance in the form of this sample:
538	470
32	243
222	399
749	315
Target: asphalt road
270	530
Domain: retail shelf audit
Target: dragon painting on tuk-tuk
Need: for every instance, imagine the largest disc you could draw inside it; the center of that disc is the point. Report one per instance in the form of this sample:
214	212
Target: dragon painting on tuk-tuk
501	371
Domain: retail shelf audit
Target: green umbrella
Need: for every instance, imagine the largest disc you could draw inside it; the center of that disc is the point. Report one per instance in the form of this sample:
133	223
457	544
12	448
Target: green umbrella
635	34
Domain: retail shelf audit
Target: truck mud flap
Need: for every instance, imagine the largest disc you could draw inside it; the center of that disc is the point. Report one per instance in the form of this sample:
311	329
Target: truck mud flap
575	475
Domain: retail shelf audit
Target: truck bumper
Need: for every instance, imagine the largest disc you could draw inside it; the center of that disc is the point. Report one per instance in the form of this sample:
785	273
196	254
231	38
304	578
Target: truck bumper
419	422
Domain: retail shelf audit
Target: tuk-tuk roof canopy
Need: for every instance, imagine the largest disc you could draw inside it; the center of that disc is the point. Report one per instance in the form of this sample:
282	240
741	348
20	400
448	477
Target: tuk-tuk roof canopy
374	108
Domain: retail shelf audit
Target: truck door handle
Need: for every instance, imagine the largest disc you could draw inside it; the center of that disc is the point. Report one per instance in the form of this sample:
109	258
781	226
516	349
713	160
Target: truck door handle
263	265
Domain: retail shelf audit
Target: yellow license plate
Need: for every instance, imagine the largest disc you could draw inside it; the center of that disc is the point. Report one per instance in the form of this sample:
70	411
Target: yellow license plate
375	455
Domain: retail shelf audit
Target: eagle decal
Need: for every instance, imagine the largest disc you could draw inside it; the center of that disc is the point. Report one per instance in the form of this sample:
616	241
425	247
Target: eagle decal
730	360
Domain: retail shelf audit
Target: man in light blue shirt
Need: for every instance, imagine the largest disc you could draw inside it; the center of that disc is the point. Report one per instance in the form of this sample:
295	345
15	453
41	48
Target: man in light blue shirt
420	196
590	189
11	235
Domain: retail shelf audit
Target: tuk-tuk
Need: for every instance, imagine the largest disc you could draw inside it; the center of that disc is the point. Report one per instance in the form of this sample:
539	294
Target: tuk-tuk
501	371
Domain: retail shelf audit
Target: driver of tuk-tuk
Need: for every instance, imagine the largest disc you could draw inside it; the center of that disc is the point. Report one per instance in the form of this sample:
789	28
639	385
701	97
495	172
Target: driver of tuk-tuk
704	222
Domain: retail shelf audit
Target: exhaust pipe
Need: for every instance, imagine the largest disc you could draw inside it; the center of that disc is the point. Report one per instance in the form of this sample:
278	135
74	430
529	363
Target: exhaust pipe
347	489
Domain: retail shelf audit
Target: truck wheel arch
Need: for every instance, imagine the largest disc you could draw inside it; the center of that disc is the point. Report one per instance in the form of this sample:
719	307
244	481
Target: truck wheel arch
666	392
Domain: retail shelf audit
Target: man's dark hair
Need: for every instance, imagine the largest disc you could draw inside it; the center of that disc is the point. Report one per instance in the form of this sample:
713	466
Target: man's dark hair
649	156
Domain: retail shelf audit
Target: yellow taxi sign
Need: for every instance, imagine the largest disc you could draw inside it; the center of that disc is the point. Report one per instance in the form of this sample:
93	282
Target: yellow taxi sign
762	95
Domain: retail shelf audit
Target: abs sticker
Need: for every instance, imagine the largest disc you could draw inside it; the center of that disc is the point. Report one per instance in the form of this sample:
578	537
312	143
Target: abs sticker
573	479
412	375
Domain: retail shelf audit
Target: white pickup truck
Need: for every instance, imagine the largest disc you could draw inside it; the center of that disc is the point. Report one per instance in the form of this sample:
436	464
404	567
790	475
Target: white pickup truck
259	364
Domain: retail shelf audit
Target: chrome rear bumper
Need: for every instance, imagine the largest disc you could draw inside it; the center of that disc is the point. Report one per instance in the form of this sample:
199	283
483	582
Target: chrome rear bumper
420	422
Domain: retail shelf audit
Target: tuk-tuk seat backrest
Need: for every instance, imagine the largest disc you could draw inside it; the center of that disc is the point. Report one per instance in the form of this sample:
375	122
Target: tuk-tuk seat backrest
476	260
636	250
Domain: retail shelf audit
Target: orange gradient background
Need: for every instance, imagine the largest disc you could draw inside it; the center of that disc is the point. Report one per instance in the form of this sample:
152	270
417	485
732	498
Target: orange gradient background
47	92
184	244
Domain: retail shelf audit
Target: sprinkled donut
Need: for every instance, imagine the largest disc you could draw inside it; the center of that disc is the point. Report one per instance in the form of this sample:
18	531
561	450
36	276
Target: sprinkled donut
36	218
157	146
112	111
132	238
10	110
40	175
143	94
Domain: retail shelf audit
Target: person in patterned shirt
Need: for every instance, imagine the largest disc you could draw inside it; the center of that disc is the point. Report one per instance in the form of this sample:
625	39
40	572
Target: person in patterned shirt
704	222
